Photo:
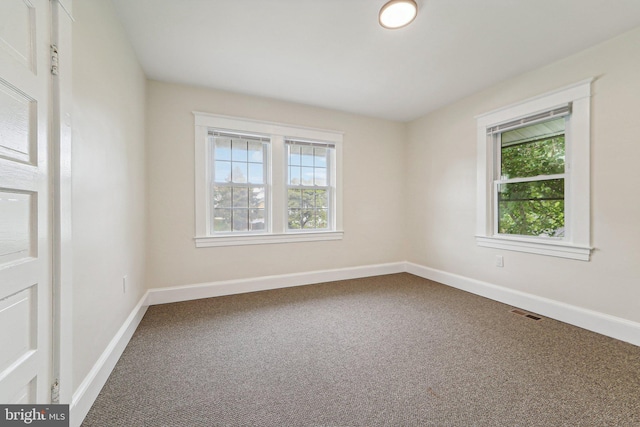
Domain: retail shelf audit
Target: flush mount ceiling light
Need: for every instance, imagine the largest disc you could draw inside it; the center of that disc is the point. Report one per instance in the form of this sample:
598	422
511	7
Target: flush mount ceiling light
398	13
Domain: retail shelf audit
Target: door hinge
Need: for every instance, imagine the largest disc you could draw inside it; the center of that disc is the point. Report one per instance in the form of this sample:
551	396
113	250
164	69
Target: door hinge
54	59
55	392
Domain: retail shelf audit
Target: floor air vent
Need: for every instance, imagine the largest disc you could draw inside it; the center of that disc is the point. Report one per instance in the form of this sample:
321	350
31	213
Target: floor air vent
525	314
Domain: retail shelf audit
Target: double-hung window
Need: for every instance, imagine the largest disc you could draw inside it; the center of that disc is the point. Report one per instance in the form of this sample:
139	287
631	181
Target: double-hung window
261	182
533	175
238	182
529	177
309	188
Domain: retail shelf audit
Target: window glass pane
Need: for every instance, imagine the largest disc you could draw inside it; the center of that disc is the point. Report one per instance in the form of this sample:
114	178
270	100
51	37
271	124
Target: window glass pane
223	148
240	197
256	219
255	151
322	218
294	219
239	172
321	199
294	155
309	219
307	155
307	176
308	199
533	150
532	208
240	219
256	199
222	171
239	150
241	204
294	175
222	220
308	208
320	177
221	197
295	197
320	159
256	173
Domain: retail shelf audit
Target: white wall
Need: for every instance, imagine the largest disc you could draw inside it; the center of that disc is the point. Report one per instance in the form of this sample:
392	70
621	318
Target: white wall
108	180
372	178
441	184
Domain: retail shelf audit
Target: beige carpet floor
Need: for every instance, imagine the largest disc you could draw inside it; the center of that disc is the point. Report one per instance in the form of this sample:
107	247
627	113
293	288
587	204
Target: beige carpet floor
392	350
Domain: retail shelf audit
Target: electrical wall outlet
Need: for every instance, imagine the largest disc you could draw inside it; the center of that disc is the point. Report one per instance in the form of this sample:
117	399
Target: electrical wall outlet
499	261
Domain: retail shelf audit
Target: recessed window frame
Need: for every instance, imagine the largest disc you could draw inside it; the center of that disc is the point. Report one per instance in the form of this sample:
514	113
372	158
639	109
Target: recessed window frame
276	218
576	242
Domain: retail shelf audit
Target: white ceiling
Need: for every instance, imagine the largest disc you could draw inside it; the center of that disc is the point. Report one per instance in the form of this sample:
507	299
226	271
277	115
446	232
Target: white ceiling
334	54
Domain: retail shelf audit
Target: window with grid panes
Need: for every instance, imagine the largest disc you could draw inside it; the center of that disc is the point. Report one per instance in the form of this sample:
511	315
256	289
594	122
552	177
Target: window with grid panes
262	182
308	185
239	183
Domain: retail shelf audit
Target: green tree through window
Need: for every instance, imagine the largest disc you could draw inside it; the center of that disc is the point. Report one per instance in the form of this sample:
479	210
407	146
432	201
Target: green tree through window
308	186
531	185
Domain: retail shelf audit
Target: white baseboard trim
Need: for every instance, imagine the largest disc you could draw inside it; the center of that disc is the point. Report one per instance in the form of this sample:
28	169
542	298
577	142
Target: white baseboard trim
90	387
230	287
611	326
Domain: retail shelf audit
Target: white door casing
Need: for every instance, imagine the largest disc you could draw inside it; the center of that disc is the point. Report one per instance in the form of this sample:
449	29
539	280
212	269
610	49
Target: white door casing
25	240
60	173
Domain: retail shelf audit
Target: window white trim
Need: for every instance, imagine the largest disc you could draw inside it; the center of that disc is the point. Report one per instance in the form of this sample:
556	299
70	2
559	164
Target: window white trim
576	243
532	245
239	124
276	231
261	239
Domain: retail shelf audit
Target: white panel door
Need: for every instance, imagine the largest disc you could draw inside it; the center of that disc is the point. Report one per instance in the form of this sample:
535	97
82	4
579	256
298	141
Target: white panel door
25	254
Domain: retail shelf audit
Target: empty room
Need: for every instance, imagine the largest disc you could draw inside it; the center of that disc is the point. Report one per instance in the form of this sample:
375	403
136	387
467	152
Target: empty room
320	213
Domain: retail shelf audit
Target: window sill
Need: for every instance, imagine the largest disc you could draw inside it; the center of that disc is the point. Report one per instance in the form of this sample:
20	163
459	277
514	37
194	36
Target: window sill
264	239
540	247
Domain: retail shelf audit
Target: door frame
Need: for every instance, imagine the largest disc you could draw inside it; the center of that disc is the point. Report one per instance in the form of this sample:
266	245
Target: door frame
61	201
